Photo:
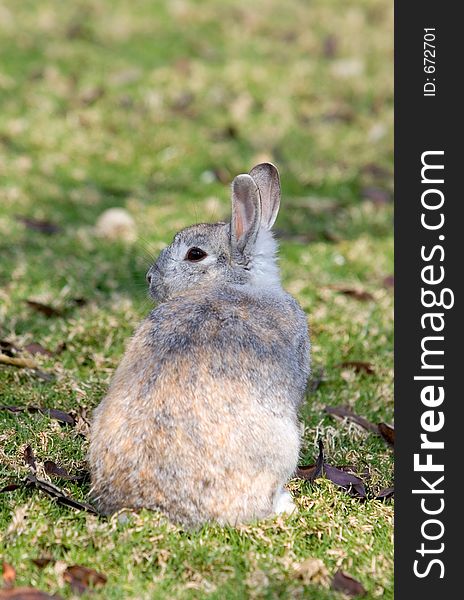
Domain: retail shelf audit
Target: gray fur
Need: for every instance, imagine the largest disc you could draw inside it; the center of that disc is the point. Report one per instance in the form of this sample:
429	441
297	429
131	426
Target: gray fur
200	420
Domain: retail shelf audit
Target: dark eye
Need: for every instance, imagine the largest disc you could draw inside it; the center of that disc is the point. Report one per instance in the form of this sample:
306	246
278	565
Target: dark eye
195	254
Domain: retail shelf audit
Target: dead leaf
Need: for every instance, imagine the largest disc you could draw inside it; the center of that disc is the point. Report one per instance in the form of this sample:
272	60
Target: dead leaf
182	101
389	281
346	413
29	458
39	225
376	195
35	348
45	309
358	366
53	413
81	578
51	468
54	492
387	432
82	419
9	574
26	593
346	480
376	171
340	113
10	487
385	494
356	293
330	46
79	301
91	95
42	561
312	472
346	584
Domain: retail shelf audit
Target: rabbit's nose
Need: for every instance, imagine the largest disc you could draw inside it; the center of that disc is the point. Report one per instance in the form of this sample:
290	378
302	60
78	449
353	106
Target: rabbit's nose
149	278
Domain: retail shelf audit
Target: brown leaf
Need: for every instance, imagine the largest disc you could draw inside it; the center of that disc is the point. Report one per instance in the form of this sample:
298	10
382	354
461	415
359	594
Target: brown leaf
389	281
385	494
53	413
11	487
35	348
339	113
42	561
79	301
356	293
81	578
312	472
29	458
346	584
182	101
51	468
39	225
358	366
54	492
387	432
346	480
330	46
9	574
376	171
376	195
26	593
346	413
91	95
45	309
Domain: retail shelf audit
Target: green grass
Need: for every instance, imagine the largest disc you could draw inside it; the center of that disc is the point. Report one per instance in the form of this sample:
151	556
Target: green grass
138	105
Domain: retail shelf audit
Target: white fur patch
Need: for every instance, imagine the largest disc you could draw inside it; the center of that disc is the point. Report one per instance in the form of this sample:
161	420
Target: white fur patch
264	269
283	503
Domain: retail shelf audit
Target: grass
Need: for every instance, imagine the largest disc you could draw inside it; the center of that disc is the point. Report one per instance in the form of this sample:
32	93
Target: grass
154	107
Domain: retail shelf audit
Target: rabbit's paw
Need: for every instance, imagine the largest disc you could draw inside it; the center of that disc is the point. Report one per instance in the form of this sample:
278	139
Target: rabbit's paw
283	503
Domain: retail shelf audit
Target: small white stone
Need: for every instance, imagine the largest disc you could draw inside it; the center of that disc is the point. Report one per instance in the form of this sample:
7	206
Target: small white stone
116	224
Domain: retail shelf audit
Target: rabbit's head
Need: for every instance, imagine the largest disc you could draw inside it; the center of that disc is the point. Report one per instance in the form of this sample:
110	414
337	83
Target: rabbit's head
241	252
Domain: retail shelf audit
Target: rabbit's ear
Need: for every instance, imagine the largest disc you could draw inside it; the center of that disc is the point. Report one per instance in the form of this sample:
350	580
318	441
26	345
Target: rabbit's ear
246	213
266	177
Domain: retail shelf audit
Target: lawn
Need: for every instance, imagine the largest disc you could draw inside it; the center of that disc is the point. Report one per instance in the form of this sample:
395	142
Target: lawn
154	107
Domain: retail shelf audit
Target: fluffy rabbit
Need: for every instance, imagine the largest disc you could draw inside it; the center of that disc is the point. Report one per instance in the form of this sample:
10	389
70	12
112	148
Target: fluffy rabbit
200	420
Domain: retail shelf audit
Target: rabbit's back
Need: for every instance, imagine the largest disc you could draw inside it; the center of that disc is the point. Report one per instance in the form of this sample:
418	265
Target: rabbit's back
234	334
200	419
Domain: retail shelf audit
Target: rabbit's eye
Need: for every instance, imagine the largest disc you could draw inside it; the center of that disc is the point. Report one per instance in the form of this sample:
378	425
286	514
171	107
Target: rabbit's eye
195	254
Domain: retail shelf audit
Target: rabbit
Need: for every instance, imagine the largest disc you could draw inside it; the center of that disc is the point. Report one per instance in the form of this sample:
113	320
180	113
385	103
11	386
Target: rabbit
201	418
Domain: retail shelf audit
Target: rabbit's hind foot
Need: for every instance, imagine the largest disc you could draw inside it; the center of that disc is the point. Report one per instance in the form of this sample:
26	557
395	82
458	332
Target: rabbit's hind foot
283	503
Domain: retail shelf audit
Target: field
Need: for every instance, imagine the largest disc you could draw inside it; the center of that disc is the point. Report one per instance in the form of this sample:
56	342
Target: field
154	107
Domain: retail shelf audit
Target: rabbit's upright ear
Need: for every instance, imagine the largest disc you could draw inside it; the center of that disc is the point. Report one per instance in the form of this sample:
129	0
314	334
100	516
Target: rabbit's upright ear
246	213
266	177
